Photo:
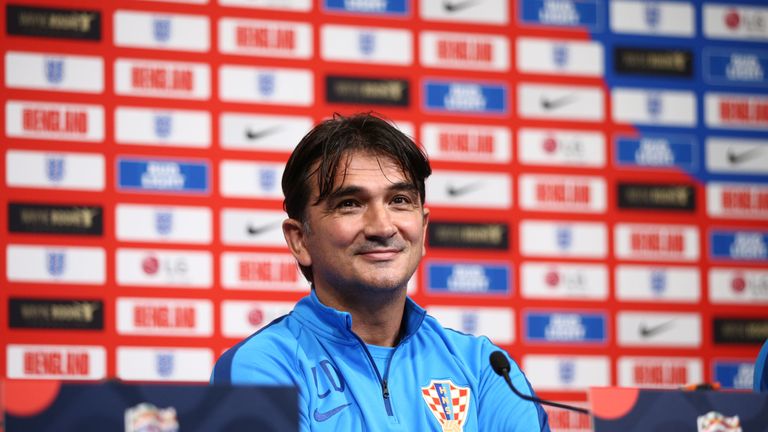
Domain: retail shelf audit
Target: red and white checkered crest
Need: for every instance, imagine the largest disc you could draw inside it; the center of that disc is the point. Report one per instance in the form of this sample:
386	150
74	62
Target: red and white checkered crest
448	403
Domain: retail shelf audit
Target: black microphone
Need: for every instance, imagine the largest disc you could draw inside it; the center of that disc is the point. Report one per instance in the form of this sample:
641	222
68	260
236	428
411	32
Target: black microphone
500	365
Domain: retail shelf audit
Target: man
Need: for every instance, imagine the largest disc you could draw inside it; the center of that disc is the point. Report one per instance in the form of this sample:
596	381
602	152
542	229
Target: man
363	355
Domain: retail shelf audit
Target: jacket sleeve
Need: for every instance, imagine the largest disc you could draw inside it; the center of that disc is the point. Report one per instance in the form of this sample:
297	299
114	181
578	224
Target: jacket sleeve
256	364
499	409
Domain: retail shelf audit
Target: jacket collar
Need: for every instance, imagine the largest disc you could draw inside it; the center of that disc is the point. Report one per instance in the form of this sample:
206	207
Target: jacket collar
338	324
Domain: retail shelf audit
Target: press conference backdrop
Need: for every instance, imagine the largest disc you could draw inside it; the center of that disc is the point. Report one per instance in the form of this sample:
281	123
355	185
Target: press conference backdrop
599	198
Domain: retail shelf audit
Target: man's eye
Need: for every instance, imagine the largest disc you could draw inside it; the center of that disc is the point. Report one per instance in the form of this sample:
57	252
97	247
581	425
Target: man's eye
347	203
401	199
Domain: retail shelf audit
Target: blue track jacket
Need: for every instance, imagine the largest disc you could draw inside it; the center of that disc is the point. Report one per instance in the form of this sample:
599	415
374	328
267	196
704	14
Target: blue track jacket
435	379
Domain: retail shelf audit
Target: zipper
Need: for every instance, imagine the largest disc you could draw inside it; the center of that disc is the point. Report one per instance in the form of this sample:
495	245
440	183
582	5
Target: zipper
382	381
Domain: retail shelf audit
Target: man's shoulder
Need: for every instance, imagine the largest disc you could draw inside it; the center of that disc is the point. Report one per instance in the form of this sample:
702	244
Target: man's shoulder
272	347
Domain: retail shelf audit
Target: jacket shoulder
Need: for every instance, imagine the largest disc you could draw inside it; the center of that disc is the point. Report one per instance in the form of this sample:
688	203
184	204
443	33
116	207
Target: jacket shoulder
268	356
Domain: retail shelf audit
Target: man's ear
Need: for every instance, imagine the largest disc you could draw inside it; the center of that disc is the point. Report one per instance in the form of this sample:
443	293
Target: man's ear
425	219
294	234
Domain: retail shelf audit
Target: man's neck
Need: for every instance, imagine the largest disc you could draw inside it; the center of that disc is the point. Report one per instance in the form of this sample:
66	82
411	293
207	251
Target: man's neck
376	321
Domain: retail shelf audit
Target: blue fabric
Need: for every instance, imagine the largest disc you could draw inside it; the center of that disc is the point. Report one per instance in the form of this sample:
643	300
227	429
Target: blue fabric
341	388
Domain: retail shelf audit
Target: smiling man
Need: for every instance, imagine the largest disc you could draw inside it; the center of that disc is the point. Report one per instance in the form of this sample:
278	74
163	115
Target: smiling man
363	355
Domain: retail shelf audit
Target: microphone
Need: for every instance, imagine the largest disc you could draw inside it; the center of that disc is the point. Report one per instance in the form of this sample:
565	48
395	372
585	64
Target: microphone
500	365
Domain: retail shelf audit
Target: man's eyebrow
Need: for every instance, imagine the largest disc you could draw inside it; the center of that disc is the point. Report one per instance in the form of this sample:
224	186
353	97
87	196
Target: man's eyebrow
353	190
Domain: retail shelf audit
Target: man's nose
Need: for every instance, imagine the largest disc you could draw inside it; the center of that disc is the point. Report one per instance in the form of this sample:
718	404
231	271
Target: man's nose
378	222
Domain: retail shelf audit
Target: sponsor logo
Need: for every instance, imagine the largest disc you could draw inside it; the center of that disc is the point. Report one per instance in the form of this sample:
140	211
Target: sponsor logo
164	364
734	374
561	148
167	31
366	45
567	420
577	194
567	373
55	314
567	13
40	71
177	224
670	284
356	90
736	111
753	331
55	219
56	264
164	268
565	327
252	227
465	97
146	416
564	281
468	235
467	143
656	242
164	317
257	132
739	245
464	51
656	151
470	190
282	39
659	372
737	156
738	286
467	11
243	318
654	107
162	79
398	8
737	200
261	271
495	323
53	22
271	86
259	180
748	23
162	175
166	128
657	197
563	239
468	277
735	67
657	18
66	362
448	402
559	57
648	328
50	120
646	61
544	101
713	420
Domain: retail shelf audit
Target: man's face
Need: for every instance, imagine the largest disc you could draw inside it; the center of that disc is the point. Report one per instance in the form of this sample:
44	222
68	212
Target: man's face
366	235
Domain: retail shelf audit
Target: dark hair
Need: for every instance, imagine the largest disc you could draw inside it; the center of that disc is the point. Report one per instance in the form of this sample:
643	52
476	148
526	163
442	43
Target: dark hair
329	141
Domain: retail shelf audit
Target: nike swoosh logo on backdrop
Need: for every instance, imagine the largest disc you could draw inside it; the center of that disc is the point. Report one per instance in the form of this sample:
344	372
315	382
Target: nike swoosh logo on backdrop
550	104
258	134
646	331
256	230
455	191
457	6
737	158
323	416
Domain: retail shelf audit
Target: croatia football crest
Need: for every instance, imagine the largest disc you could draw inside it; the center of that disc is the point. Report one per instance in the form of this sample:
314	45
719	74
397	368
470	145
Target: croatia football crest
448	403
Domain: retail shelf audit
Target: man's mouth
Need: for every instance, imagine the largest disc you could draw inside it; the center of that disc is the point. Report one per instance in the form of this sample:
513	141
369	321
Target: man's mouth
379	254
